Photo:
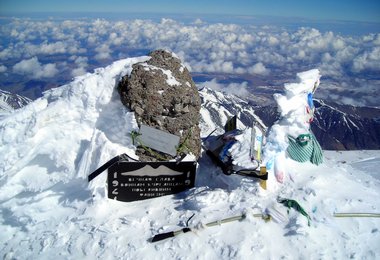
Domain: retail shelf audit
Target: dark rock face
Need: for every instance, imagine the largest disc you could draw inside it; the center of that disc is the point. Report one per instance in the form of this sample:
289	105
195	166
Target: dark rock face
163	95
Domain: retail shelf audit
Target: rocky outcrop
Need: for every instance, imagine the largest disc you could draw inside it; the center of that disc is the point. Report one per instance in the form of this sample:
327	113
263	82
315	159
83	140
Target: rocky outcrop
163	95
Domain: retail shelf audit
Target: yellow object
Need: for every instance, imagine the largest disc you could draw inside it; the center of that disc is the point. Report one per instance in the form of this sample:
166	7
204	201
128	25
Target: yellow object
258	156
263	183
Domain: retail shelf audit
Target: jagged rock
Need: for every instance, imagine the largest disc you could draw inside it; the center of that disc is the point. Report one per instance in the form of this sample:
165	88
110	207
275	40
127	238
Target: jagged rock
163	95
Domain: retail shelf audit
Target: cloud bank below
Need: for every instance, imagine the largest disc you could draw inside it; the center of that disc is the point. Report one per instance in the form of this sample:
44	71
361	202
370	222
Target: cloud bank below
350	65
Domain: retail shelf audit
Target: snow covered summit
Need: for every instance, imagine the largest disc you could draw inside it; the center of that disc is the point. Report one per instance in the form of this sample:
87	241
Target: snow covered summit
66	133
48	148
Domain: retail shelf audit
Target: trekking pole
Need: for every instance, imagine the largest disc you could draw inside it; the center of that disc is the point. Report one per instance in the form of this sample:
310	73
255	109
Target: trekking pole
357	215
167	235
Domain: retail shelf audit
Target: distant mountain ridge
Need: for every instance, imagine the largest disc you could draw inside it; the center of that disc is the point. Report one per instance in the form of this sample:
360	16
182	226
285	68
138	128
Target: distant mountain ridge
338	127
218	107
10	101
346	127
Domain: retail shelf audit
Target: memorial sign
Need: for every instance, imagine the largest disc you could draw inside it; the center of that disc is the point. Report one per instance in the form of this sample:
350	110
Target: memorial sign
130	181
159	140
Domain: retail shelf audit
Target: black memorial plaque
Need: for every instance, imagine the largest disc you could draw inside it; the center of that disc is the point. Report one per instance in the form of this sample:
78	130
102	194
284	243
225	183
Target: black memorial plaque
131	181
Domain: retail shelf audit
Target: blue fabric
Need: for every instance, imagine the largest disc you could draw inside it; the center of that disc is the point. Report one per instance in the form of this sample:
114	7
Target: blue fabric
310	100
224	156
270	163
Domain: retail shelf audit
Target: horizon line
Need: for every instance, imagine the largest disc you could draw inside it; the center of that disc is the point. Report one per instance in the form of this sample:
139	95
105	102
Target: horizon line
222	16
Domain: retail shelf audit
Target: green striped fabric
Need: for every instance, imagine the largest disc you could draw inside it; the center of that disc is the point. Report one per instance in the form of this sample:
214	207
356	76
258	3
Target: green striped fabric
305	151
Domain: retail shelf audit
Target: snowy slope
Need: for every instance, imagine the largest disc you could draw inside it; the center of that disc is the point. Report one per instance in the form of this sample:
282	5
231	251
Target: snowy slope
49	211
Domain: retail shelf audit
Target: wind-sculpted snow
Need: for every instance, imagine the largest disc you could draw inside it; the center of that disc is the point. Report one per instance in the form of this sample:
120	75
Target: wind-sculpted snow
49	211
51	137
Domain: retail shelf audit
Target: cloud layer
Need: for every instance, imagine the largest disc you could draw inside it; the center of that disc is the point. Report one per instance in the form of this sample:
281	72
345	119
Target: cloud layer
350	65
33	68
238	89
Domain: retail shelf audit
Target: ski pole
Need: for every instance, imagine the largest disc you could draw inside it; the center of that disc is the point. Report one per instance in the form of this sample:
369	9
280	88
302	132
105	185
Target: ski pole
167	235
357	215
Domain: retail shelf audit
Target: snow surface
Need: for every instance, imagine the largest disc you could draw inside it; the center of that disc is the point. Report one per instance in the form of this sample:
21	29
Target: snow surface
49	211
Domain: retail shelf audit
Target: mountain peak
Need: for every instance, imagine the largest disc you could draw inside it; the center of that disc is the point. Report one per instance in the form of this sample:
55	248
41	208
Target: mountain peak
50	146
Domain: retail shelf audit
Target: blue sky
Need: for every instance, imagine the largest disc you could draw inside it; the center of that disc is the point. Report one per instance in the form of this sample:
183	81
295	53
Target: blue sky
352	10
